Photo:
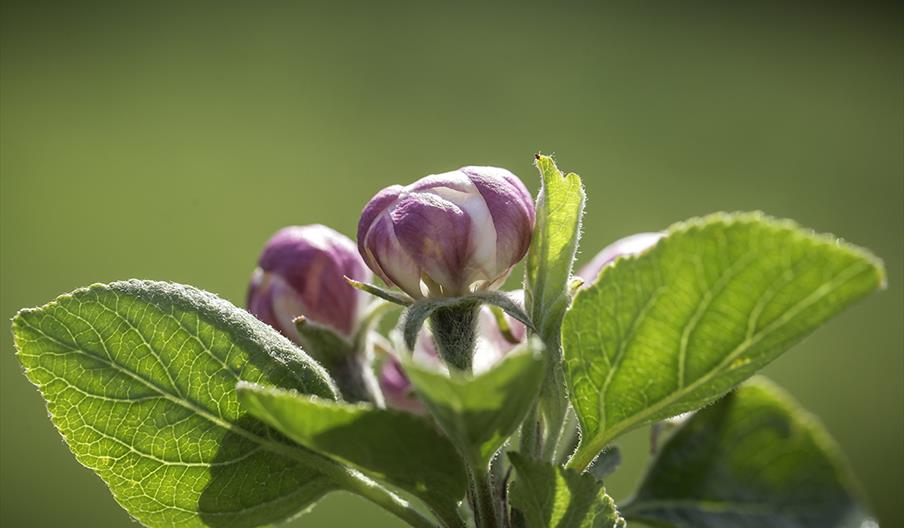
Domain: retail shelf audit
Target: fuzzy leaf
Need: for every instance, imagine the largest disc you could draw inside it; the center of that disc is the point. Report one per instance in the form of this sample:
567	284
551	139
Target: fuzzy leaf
560	206
548	496
396	447
480	412
754	459
548	283
716	300
140	377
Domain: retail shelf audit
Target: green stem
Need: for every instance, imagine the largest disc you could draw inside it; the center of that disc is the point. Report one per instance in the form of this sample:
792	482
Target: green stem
543	425
531	430
454	331
554	408
582	458
482	496
360	485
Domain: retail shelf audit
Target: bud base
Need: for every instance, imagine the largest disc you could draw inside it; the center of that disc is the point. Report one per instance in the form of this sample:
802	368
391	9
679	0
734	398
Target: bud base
454	330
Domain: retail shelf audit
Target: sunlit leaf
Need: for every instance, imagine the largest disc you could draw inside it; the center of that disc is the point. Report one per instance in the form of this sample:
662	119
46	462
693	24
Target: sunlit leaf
716	300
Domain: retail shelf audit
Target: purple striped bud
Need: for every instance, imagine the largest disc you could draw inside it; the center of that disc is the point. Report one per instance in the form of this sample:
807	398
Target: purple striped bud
630	245
448	234
301	272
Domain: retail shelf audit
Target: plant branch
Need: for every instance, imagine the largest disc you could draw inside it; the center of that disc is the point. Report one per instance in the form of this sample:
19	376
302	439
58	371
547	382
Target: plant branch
482	497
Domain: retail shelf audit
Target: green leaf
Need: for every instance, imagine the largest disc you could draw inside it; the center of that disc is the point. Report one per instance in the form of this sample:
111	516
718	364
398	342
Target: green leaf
479	413
560	206
754	459
548	496
548	289
322	342
716	300
140	377
399	448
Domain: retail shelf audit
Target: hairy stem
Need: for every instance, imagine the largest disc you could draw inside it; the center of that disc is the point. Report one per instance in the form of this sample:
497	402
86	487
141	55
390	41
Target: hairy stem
553	406
482	497
543	426
531	430
454	330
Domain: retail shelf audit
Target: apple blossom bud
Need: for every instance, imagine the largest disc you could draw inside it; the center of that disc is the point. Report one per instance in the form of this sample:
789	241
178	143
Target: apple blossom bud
397	390
301	272
630	245
448	234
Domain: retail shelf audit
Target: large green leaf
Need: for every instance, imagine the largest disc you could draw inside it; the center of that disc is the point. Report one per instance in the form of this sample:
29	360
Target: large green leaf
754	459
480	412
140	377
549	496
712	303
399	448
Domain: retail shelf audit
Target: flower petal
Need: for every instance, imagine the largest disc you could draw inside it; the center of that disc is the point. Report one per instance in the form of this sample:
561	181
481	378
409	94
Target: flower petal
435	233
512	212
629	245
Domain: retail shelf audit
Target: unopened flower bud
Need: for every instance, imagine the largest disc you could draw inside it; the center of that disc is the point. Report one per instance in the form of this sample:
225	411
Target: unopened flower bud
397	390
448	234
630	245
301	272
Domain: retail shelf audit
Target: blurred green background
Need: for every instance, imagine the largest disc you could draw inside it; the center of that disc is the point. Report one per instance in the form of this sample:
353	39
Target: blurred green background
168	141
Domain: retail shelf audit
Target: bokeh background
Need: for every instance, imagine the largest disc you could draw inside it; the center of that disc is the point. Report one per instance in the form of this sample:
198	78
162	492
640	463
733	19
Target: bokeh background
169	140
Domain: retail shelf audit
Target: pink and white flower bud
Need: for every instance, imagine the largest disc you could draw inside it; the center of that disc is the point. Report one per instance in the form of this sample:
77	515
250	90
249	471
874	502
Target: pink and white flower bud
630	245
301	272
448	234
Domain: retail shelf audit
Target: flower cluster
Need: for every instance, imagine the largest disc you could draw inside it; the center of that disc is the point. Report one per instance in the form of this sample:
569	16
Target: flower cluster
445	235
480	404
